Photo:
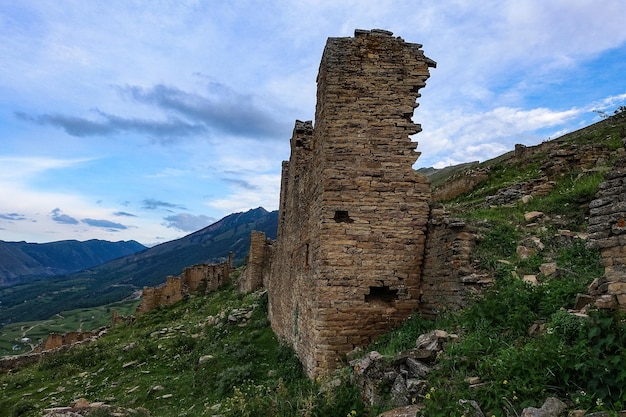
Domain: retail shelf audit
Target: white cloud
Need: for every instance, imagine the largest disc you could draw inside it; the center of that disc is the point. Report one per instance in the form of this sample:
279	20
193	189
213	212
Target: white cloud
169	172
505	75
609	103
186	222
464	137
259	191
19	168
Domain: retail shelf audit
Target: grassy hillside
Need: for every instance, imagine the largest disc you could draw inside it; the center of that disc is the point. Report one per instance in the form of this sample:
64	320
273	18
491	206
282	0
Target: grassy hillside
497	361
201	357
517	342
84	319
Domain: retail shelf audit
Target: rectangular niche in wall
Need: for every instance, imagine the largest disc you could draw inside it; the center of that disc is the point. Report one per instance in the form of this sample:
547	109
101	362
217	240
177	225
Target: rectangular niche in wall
381	295
342	216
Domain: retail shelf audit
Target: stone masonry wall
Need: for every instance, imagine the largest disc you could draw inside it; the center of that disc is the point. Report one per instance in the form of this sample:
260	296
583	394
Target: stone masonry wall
607	231
257	264
290	286
560	159
56	340
448	273
58	344
353	213
203	278
461	184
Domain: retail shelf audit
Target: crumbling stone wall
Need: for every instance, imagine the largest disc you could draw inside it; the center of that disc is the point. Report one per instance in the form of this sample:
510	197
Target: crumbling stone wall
448	272
558	159
257	267
461	184
169	293
353	213
11	363
202	278
567	158
607	231
206	277
56	340
117	318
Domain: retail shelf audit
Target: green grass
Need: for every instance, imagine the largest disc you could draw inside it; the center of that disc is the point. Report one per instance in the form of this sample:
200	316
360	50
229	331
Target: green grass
75	320
156	363
575	359
578	360
609	132
501	175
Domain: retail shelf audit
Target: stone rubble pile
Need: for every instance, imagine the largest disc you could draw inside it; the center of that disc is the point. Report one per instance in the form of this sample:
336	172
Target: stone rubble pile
83	407
521	191
402	380
403	375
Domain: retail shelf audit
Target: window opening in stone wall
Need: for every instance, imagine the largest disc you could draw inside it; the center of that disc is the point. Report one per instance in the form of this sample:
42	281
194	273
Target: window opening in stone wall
342	216
381	295
307	255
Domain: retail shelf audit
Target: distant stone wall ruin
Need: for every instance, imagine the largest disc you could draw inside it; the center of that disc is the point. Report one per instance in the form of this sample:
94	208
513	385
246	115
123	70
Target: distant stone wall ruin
54	344
203	278
57	340
257	269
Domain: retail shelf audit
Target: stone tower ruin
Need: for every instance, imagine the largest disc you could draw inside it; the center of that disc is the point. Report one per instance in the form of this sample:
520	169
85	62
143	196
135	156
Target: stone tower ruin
353	213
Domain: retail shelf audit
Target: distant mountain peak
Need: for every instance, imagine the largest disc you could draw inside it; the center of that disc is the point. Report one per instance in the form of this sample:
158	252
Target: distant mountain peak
22	260
120	277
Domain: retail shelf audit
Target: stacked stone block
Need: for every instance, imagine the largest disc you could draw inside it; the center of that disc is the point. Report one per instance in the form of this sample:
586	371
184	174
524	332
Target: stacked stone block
448	272
56	340
257	264
353	213
169	293
607	231
204	278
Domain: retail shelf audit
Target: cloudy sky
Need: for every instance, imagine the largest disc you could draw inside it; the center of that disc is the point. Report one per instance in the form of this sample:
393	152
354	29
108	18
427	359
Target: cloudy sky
146	120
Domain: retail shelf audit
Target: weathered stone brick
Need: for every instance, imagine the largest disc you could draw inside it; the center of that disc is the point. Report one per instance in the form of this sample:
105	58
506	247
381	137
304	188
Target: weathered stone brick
617	288
607	222
205	277
351	202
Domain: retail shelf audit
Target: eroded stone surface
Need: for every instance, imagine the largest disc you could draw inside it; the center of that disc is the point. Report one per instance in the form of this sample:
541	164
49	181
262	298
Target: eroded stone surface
607	225
353	212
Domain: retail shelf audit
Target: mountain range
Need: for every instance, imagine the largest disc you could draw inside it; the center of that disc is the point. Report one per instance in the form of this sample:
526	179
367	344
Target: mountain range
42	297
23	261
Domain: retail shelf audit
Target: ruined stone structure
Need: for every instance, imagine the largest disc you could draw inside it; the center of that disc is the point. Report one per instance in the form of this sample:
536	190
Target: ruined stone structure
117	318
448	272
257	270
607	231
203	278
54	344
460	184
560	159
56	340
353	213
